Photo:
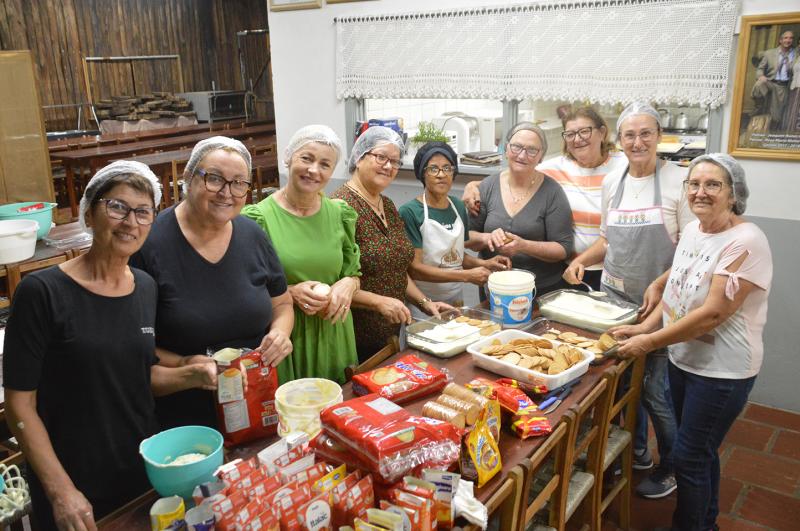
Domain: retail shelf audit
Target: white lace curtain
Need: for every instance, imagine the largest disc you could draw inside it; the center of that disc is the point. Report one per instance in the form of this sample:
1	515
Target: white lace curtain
603	51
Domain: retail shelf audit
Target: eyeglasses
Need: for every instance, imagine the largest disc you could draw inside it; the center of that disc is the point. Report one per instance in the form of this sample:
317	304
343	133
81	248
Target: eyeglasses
215	183
646	135
383	159
434	170
118	210
584	133
709	187
516	149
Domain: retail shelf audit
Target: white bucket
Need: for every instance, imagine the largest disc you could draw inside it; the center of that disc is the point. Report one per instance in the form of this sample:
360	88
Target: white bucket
17	239
300	402
511	295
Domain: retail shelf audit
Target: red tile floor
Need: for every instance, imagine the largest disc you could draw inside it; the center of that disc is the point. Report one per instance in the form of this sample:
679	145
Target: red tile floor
760	477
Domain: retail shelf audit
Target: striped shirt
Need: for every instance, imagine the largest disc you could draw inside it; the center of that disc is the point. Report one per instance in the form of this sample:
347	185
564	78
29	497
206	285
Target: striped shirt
583	187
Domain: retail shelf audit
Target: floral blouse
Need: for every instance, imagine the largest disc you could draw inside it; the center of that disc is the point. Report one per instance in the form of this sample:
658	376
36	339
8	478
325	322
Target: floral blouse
386	255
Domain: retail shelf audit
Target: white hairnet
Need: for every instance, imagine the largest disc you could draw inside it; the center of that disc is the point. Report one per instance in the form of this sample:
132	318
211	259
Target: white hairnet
638	107
371	138
120	167
528	126
736	174
204	147
321	134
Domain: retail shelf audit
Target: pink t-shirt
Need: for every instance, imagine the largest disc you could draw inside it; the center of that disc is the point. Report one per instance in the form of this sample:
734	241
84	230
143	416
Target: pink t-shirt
735	348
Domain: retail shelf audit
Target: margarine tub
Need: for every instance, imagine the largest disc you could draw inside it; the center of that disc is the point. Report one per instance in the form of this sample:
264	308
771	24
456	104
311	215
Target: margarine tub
300	402
511	295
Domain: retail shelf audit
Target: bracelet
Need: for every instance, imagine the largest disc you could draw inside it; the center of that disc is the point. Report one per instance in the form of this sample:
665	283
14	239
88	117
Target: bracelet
424	300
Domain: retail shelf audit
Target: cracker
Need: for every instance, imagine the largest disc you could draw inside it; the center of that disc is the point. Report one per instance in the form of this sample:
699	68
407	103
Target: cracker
474	322
491	349
489	330
554	331
525	362
585	344
549	336
484	323
462	319
512	357
565	335
543	343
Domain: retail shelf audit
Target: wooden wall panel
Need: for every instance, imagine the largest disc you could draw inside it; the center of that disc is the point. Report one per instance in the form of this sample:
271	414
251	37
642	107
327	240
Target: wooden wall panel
60	32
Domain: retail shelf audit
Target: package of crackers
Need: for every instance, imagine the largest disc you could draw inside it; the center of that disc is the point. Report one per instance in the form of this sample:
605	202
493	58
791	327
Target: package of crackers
406	379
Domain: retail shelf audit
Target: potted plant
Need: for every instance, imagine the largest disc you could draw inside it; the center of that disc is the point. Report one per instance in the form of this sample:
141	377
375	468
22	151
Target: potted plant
427	132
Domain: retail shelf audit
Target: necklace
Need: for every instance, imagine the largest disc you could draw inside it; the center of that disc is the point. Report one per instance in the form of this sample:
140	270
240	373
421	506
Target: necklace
642	186
300	209
377	208
517	199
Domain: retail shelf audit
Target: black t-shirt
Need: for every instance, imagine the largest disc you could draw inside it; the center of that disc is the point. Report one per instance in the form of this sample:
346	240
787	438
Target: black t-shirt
204	306
88	357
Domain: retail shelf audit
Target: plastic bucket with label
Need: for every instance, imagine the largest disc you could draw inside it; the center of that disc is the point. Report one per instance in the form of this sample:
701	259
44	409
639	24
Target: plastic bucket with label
511	295
300	402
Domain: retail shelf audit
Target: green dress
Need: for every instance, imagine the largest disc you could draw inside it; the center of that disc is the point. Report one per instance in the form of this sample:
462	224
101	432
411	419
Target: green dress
321	247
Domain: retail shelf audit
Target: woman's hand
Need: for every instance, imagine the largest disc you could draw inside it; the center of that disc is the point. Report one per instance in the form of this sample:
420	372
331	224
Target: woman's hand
72	511
472	198
574	272
652	296
274	347
394	311
512	246
638	345
304	297
626	331
498	263
434	308
477	275
341	297
496	239
203	375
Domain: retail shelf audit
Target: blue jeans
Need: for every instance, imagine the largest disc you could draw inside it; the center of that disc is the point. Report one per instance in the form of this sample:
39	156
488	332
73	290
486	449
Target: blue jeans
658	404
705	409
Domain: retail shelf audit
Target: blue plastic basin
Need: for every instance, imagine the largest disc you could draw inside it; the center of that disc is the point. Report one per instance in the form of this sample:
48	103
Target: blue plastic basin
164	447
43	215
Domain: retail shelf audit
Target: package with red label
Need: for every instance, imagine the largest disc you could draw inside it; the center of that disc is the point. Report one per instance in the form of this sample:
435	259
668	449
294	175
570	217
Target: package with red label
423	489
407	378
482	397
528	388
272	498
261	489
326	483
208	489
286	507
248	513
265	521
358	499
511	397
446	484
525	426
226	507
316	514
231	472
245	396
307	475
252	479
331	450
392	441
421	507
409	516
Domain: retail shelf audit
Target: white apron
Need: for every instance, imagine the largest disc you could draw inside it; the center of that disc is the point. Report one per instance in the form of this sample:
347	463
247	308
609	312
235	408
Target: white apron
441	248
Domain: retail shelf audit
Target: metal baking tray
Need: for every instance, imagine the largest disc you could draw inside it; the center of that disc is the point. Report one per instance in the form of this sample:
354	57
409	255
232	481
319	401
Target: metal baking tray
586	320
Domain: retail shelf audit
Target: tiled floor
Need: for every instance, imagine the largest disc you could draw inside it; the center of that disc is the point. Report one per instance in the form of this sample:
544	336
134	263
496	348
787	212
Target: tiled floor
760	479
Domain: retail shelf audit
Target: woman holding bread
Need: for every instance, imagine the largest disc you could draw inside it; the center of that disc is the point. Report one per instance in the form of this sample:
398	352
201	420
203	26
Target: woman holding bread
524	214
315	240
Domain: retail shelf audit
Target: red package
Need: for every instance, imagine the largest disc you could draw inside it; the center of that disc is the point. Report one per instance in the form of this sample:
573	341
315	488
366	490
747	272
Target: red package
348	483
252	479
230	473
246	411
261	489
391	441
272	498
422	507
407	378
286	507
411	517
225	507
332	451
316	514
248	513
265	521
507	392
311	474
525	426
355	502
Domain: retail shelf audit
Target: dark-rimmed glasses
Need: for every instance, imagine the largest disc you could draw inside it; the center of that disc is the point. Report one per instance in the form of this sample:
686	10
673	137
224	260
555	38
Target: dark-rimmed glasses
530	151
584	133
434	170
215	183
117	209
383	159
709	187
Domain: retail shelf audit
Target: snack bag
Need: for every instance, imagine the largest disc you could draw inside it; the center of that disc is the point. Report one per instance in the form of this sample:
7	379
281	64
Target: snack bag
248	513
421	507
525	426
391	441
407	378
480	395
309	475
332	451
358	499
446	484
316	514
385	520
408	516
265	521
483	452
511	397
264	487
527	387
425	490
245	396
326	483
233	471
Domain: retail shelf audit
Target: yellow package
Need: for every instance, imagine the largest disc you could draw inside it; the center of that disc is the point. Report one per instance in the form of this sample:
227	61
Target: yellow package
483	452
328	481
165	511
361	525
491	413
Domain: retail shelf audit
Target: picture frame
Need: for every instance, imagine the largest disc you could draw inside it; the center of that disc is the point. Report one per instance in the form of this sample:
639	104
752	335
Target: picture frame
765	109
291	5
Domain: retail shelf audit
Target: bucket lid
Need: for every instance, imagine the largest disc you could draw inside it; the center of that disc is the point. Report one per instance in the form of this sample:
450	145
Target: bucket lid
14	227
512	277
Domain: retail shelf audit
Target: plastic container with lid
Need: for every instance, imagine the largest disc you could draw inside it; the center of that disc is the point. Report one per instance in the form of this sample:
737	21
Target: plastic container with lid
593	311
511	295
299	403
17	239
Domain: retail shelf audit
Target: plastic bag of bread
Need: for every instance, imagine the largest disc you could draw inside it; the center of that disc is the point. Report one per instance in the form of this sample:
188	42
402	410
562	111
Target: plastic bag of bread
407	378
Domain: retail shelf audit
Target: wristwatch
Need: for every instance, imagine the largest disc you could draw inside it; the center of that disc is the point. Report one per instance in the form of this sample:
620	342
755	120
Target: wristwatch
424	300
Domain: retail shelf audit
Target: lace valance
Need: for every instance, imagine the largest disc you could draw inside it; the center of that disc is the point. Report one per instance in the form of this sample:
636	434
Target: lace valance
603	51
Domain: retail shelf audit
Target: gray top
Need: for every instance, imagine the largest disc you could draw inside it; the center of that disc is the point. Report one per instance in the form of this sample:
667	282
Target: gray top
546	217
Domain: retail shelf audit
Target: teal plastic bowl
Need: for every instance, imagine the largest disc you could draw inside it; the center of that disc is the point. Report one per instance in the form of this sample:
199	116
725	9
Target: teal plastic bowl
164	447
43	215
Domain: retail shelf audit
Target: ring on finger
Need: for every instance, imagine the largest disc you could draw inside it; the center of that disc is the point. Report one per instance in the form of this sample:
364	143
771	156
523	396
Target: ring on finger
305	306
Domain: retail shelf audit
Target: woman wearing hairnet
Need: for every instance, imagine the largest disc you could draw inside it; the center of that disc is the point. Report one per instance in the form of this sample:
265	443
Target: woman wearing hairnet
79	368
315	240
437	225
386	253
524	214
711	319
220	283
644	210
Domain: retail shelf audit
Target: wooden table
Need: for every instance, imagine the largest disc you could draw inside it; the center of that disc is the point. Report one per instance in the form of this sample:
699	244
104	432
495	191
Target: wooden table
135	515
92	158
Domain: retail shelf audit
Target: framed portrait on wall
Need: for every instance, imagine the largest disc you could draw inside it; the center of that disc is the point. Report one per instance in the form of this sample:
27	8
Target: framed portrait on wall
289	5
765	118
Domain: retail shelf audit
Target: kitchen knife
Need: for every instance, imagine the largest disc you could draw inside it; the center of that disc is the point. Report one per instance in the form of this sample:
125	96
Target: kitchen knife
552	403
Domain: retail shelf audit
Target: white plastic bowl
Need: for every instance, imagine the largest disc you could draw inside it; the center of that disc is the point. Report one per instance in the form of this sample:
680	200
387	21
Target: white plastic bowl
17	240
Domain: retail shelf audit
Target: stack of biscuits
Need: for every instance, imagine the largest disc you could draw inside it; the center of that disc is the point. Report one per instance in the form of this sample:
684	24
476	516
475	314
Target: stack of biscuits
540	355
